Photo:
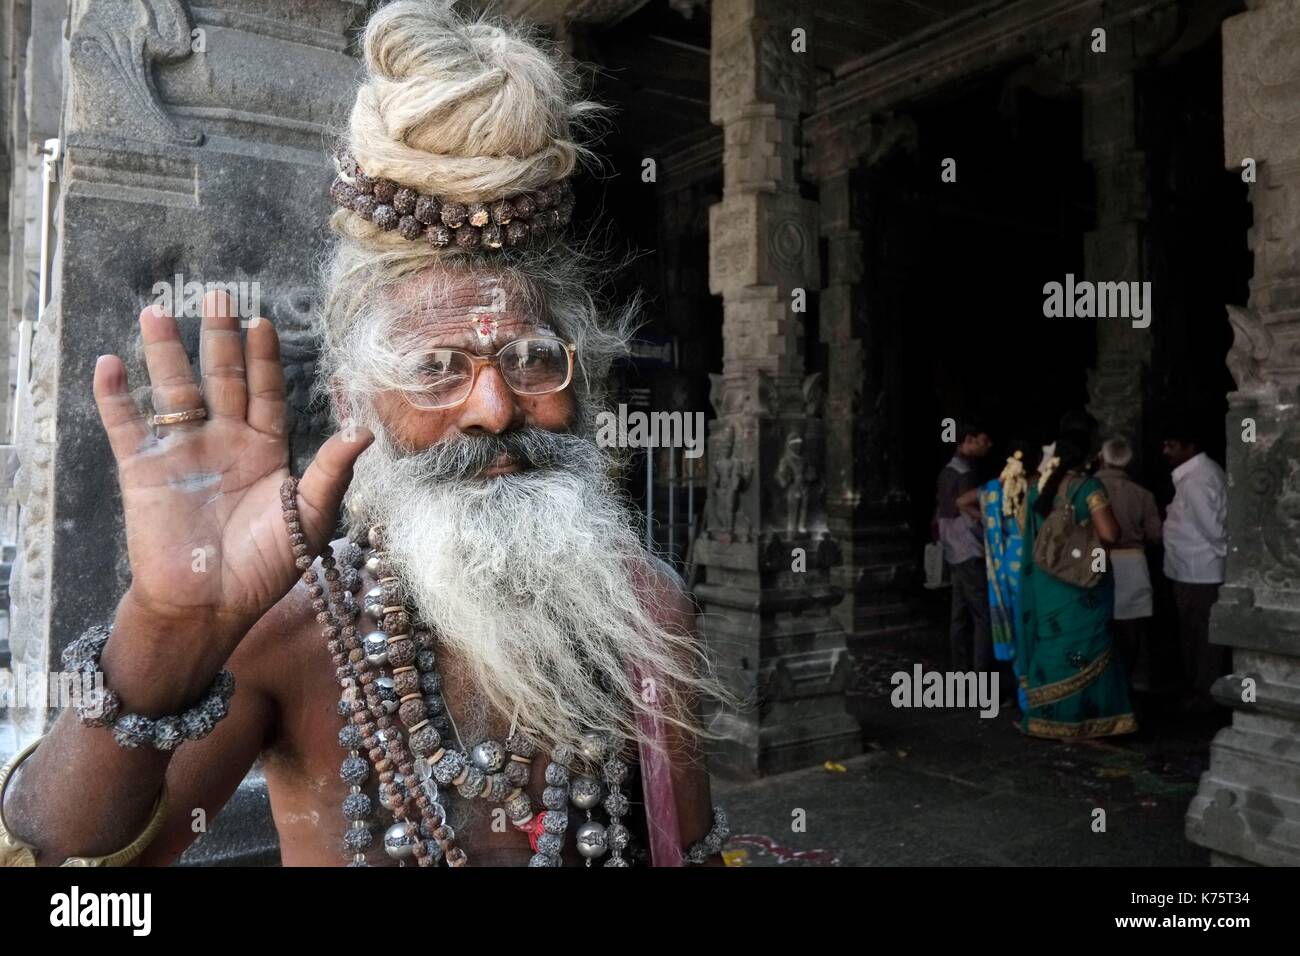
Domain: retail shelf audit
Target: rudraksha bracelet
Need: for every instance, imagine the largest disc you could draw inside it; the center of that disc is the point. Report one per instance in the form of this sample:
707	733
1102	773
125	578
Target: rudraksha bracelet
713	840
99	706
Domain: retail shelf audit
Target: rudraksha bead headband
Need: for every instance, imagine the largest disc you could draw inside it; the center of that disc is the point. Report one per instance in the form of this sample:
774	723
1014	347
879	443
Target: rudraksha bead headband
506	222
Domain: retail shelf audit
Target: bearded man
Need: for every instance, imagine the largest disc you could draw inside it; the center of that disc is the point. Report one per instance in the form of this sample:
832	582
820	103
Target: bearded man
511	677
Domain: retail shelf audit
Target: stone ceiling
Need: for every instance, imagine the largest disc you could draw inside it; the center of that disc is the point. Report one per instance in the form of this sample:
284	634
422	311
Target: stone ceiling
848	30
654	54
845	30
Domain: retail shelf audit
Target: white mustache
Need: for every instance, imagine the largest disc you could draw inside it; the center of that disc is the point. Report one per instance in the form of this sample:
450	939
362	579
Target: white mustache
466	456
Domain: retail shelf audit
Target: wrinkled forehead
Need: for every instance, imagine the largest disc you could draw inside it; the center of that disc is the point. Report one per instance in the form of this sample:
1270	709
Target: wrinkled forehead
478	310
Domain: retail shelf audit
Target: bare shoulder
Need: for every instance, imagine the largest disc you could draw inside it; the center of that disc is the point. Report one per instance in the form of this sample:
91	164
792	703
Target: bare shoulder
664	594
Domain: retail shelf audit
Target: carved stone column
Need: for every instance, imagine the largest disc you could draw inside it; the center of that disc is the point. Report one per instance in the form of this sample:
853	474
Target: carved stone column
1115	249
33	118
1248	807
194	143
766	552
865	503
29	64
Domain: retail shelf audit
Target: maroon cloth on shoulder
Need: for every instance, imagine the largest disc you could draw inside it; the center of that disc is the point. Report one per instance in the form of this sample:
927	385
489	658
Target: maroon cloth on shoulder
662	824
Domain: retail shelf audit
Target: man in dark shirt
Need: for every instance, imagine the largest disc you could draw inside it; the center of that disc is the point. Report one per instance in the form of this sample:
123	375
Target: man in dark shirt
962	538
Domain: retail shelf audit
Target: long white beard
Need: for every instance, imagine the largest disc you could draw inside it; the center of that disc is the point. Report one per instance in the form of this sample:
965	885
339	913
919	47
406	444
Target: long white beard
536	581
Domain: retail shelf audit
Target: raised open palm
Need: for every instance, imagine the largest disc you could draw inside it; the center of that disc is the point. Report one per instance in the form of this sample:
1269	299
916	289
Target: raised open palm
205	534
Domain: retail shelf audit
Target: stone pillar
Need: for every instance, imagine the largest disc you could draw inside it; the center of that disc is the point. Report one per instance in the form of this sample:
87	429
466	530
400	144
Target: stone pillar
13	32
1115	249
865	503
31	110
766	551
1247	809
194	143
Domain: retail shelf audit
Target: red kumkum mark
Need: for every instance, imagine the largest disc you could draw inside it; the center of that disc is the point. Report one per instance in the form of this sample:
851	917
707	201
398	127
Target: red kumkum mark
486	327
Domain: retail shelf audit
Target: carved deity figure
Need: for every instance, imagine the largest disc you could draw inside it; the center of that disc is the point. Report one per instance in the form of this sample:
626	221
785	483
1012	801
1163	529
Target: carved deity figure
727	478
796	475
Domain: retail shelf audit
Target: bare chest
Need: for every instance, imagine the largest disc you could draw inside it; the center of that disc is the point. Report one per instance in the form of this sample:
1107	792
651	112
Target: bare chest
302	768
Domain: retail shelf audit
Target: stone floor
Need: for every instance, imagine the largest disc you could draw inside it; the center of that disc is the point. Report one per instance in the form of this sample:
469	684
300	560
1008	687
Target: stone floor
947	788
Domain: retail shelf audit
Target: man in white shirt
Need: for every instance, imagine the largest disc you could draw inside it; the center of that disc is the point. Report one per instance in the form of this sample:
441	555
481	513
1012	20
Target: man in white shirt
1196	549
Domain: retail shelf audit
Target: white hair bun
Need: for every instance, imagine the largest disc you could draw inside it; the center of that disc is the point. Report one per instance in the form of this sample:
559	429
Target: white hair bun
469	110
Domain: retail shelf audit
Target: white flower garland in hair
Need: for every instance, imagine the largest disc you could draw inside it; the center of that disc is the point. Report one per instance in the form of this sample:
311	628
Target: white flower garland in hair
1014	485
1046	470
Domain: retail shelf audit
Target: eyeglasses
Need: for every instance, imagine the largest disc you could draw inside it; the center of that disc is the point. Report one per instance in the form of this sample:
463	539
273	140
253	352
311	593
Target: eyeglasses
535	366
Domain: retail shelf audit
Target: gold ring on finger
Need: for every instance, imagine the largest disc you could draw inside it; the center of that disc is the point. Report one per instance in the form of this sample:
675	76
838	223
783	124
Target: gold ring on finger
176	418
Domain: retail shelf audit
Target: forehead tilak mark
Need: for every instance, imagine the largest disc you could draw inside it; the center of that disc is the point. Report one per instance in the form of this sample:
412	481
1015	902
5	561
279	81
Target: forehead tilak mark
483	318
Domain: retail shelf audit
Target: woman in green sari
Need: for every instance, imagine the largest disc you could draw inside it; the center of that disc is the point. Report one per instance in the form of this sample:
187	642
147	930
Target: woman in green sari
1073	680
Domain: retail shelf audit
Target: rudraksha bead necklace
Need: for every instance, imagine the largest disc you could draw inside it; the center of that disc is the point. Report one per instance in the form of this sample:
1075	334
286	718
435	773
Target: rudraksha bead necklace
505	222
431	839
491	770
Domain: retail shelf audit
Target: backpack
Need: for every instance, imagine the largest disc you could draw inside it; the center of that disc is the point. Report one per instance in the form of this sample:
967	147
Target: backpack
1064	548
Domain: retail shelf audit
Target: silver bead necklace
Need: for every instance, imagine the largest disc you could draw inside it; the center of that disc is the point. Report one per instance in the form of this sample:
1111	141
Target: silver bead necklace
490	769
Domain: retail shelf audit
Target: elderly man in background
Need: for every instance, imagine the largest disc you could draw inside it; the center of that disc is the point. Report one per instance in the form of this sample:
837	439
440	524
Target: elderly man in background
1140	528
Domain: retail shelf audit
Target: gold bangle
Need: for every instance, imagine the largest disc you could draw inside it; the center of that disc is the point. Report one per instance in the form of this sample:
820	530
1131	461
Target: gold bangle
16	853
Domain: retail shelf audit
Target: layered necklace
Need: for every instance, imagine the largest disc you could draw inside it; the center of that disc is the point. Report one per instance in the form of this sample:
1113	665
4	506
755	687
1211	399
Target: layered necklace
396	715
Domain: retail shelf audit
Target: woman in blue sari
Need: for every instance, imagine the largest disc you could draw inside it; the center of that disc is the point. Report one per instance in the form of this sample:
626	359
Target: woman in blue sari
1073	680
1001	505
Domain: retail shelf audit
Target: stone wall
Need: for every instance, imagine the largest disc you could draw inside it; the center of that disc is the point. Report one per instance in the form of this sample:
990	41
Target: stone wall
32	97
